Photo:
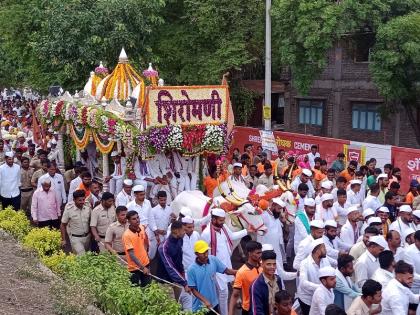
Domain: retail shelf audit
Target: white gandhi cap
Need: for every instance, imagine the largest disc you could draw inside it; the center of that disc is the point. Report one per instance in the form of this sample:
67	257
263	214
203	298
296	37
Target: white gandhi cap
309	202
279	202
317	224
326	197
379	240
331	223
138	188
327	184
217	212
128	182
266	247
406	208
306	172
326	272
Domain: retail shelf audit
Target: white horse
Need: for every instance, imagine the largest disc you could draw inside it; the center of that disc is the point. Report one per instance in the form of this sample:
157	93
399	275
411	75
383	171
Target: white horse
236	220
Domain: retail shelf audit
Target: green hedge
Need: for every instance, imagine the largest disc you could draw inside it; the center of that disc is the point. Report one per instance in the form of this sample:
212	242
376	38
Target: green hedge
100	275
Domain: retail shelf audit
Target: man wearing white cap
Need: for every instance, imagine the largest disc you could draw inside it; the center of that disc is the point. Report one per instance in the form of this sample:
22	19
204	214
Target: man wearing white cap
368	263
416	219
237	174
302	221
316	232
383	214
117	177
324	294
340	206
326	187
53	155
144	209
333	243
126	194
10	182
191	236
325	211
304	177
350	231
57	182
309	273
372	201
220	238
403	222
354	196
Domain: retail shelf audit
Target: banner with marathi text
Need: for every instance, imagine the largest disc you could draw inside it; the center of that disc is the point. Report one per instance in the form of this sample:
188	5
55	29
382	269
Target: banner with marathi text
186	105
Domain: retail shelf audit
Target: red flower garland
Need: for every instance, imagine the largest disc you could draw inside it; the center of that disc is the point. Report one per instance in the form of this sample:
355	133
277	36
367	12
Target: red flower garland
193	136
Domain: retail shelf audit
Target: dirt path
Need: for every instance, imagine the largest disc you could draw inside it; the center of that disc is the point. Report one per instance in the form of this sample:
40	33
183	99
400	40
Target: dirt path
24	288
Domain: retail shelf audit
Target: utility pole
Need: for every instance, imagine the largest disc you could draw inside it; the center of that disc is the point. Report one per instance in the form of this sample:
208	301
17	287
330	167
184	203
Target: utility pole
267	90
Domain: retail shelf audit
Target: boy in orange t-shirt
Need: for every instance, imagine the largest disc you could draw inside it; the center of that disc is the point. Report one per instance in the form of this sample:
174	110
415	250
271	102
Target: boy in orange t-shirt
136	245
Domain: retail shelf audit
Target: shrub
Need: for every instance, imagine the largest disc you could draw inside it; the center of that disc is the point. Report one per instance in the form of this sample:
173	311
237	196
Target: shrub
15	223
44	241
110	284
56	261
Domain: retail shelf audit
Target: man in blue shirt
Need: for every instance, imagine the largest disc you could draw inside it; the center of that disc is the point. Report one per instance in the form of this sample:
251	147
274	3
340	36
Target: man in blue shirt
201	278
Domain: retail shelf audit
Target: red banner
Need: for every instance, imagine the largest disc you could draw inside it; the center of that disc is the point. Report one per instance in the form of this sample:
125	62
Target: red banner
299	144
408	160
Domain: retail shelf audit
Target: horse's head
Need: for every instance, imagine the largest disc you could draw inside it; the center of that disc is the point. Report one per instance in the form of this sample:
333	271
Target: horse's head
289	199
247	215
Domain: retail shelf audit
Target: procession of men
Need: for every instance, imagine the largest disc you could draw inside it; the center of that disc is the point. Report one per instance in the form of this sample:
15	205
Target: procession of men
353	246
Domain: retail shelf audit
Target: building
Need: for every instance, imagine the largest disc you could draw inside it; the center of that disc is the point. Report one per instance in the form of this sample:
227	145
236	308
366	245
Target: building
343	101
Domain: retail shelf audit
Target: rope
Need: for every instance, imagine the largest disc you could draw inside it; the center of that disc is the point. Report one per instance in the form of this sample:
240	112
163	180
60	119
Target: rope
159	279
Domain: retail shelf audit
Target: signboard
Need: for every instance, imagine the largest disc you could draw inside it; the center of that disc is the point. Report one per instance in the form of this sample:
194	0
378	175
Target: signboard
268	142
408	160
266	112
186	105
297	144
355	153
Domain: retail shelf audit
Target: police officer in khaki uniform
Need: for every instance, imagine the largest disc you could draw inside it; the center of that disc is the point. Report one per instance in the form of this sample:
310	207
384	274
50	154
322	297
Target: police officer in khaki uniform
26	189
102	216
113	236
75	220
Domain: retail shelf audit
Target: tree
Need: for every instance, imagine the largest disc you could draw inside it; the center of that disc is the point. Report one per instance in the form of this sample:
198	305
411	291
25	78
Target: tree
395	67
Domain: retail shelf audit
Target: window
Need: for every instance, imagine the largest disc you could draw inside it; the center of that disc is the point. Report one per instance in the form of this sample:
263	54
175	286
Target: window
363	44
310	112
366	117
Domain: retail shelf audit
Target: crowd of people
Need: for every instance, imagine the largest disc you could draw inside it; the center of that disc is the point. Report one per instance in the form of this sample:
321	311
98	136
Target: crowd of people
353	246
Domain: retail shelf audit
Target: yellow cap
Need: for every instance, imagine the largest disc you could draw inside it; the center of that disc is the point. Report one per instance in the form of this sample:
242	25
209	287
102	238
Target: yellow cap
201	247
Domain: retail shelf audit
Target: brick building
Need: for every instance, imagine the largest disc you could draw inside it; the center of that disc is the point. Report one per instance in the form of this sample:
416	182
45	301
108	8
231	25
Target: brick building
343	101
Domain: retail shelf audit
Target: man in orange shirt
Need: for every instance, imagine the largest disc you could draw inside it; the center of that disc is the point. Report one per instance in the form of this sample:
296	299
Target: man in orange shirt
245	277
85	184
350	172
413	193
136	245
320	174
264	160
210	181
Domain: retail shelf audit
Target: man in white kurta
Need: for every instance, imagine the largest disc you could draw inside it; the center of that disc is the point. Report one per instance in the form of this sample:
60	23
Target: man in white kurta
309	273
192	172
274	235
317	231
368	263
350	231
162	215
324	294
403	222
412	256
397	296
302	221
126	194
220	238
117	177
325	210
304	178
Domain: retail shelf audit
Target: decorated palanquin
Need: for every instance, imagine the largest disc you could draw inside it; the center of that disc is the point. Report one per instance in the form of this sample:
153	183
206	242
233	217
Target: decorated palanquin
137	110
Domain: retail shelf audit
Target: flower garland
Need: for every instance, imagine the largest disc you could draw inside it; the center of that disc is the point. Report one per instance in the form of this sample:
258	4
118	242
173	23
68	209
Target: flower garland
129	169
106	128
